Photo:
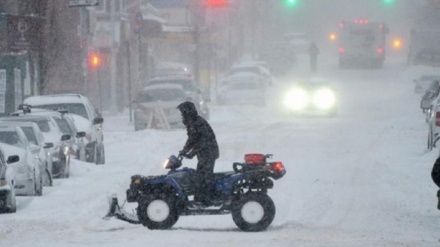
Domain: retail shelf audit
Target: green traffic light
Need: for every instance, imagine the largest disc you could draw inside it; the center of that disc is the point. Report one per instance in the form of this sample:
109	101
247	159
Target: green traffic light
291	2
388	2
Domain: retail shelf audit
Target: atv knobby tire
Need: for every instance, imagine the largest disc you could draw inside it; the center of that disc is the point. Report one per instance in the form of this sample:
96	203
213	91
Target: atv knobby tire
158	211
253	212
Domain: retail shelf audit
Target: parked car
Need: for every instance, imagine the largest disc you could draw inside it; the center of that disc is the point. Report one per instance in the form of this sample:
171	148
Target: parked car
165	97
77	104
67	123
254	67
7	181
314	96
61	149
431	94
29	179
191	88
39	148
172	69
242	88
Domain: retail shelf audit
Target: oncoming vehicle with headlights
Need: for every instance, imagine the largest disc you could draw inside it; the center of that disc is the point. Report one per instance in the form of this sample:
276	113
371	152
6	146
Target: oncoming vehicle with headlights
311	97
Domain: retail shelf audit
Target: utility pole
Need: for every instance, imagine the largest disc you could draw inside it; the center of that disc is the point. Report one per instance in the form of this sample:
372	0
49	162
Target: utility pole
198	11
113	106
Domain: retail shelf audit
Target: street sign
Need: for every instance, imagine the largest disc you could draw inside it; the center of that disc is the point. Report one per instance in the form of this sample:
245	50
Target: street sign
83	3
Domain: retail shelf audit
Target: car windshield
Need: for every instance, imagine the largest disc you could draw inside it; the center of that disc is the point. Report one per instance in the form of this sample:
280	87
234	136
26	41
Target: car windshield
11	138
43	124
75	108
30	135
64	126
160	95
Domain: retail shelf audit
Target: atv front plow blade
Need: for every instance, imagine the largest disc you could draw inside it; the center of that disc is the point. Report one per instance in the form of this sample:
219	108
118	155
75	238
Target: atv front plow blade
116	211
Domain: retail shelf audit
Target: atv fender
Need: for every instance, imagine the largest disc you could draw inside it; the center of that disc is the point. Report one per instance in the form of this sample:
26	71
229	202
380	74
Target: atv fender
171	183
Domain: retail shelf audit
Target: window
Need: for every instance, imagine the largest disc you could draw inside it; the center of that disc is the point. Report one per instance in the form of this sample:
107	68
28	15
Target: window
30	135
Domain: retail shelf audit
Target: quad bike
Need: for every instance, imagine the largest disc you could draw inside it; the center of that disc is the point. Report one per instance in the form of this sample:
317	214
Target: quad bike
241	192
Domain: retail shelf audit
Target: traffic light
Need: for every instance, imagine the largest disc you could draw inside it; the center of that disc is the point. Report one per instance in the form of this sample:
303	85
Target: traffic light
291	3
95	60
388	2
216	3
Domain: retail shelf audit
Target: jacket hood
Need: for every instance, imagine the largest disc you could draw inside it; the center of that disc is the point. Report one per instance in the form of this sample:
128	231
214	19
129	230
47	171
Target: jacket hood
188	110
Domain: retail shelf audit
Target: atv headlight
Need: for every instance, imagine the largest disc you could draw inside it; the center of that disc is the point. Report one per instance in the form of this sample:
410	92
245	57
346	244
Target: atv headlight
296	99
324	98
172	163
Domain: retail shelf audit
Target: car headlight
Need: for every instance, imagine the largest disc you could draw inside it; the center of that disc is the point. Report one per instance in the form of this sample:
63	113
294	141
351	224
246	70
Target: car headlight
324	98
296	99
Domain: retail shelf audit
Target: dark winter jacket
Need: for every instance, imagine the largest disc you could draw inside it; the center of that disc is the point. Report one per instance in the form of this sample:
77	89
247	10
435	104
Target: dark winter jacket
435	173
201	138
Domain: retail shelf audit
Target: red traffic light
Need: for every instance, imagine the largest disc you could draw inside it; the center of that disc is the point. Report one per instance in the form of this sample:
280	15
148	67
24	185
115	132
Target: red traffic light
216	3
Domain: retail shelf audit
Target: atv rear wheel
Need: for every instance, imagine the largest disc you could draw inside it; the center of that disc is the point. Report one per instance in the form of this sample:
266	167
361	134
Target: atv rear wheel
253	212
158	211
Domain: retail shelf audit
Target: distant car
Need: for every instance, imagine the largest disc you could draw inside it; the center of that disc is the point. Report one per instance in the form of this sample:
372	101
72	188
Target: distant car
164	96
29	179
62	146
311	97
40	149
299	41
280	55
7	181
253	67
172	69
79	105
242	88
191	88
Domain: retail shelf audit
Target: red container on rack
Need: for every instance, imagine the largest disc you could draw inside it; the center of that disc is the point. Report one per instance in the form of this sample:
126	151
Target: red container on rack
254	158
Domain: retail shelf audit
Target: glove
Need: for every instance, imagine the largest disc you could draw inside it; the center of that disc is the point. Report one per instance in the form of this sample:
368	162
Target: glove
182	153
190	155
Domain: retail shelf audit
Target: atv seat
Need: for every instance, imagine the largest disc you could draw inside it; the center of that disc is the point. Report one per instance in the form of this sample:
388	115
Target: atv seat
222	175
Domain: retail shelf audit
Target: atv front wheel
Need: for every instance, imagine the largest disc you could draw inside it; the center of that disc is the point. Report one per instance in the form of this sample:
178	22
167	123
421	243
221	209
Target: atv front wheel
158	211
253	212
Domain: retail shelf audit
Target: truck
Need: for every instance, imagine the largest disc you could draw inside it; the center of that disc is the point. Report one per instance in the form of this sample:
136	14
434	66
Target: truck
362	43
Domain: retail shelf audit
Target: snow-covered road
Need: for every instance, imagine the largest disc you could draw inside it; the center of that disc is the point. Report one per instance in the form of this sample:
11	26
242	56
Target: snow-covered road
360	179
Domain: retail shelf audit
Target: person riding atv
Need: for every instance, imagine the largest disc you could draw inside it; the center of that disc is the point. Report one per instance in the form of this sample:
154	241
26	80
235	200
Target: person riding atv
202	143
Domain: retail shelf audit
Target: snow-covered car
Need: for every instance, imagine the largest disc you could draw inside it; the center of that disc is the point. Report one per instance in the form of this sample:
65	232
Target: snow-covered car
312	97
242	88
7	181
39	148
79	105
191	88
67	123
172	69
154	100
424	83
254	67
61	150
29	179
433	121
